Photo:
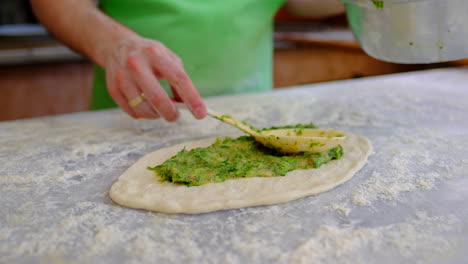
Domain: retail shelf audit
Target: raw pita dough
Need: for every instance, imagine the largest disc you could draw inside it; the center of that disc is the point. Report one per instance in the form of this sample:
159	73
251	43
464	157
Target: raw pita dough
138	187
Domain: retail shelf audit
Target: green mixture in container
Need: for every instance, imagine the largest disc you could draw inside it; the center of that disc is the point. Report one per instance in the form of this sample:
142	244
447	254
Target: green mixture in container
379	4
242	157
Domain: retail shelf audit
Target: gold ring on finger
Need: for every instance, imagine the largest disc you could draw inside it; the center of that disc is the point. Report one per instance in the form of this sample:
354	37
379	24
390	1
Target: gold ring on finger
137	100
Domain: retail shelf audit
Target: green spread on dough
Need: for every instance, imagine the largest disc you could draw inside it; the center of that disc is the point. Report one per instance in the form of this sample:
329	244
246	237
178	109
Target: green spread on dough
242	157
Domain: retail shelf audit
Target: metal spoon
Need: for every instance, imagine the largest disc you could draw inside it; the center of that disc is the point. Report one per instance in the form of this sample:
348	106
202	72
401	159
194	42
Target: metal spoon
292	140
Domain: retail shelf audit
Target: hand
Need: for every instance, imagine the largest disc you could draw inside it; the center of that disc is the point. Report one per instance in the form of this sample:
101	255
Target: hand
133	67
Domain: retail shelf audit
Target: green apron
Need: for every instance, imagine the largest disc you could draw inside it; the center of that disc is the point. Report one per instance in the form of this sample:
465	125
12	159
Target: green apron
226	45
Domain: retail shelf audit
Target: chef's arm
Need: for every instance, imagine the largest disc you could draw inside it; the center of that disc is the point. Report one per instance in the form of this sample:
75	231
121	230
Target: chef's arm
315	8
80	25
133	64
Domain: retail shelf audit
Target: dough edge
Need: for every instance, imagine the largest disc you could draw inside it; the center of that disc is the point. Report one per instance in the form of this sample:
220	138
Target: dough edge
137	187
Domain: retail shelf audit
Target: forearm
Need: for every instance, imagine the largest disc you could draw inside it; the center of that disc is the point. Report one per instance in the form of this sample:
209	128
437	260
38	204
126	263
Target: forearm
80	25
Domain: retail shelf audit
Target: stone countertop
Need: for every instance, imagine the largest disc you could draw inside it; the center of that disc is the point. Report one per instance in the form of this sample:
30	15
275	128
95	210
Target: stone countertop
407	205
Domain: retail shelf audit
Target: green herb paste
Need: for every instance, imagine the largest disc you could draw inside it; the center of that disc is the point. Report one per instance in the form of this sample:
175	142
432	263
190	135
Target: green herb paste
242	157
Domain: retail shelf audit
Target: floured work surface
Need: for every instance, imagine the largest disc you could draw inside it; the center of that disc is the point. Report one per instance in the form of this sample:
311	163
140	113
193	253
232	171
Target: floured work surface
407	204
138	187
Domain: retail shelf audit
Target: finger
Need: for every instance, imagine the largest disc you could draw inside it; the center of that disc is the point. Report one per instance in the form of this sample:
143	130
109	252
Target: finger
145	104
154	93
176	94
130	91
173	71
118	97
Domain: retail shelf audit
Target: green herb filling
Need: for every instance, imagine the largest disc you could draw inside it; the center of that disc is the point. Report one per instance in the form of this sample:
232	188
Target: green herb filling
231	158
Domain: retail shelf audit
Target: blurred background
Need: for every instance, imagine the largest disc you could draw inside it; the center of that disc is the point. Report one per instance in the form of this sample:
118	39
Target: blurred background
40	76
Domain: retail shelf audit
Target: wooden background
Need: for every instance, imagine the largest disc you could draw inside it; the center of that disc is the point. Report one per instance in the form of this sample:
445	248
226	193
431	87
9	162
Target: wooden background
49	89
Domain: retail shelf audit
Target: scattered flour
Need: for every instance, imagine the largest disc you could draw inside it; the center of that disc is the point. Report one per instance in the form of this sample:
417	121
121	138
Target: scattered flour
408	165
340	208
421	238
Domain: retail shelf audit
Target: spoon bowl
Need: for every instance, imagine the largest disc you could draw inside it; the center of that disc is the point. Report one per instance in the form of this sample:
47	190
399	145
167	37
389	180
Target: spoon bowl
312	140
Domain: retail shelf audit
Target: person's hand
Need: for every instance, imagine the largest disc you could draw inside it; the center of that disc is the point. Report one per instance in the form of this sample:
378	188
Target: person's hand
134	66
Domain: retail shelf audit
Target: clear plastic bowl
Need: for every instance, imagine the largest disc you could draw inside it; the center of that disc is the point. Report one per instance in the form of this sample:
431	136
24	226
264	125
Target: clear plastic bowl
410	31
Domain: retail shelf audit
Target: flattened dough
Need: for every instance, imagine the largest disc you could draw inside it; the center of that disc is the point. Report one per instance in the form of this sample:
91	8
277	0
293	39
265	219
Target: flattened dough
138	187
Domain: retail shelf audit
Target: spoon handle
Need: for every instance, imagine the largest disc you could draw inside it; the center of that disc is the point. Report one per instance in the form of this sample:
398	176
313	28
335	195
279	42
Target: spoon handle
226	119
233	122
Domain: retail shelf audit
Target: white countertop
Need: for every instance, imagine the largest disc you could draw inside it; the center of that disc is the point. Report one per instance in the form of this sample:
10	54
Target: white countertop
407	205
